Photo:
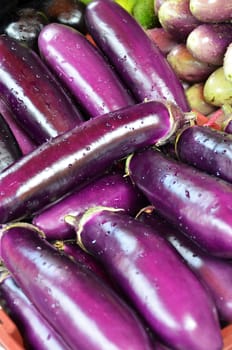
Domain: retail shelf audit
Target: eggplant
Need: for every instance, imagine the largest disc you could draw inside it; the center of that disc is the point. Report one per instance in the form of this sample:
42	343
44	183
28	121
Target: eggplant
207	149
37	100
76	303
37	332
227	63
151	273
217	36
198	203
108	190
196	100
66	162
23	140
215	273
137	60
186	66
211	11
83	70
176	18
162	39
9	148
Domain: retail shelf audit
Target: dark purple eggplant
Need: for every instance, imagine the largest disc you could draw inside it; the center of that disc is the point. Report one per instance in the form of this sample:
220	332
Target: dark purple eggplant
153	276
82	69
137	60
77	304
198	203
24	141
36	98
68	161
9	148
207	149
37	332
111	190
69	12
215	273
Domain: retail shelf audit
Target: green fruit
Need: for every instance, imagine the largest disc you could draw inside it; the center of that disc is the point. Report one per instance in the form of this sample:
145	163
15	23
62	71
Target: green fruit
127	4
144	13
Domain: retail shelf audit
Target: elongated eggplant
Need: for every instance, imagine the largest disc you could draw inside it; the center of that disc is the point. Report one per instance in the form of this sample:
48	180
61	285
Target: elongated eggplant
83	69
9	148
59	166
198	203
207	149
77	304
36	98
137	60
215	273
25	142
217	36
153	276
112	190
37	332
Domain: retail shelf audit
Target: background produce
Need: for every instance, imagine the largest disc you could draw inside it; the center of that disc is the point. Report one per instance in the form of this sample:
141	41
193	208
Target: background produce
115	173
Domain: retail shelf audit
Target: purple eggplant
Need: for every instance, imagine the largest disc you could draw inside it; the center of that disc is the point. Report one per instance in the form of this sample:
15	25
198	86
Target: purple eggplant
37	100
207	149
198	203
151	273
112	190
211	11
26	144
215	273
37	332
77	304
137	60
68	161
217	36
82	69
9	148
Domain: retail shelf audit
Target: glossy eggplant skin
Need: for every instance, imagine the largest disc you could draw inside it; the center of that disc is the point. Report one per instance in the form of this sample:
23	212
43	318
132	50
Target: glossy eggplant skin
215	273
137	60
37	332
82	69
9	148
68	161
111	190
152	275
198	203
207	149
36	98
77	304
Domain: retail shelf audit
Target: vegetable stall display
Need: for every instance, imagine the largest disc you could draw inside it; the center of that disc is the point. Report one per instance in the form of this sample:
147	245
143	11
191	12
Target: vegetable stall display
115	178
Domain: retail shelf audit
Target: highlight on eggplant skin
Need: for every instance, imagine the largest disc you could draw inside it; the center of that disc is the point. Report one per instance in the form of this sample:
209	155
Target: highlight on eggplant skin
37	332
36	98
202	202
215	273
207	149
74	158
112	189
139	62
84	310
150	272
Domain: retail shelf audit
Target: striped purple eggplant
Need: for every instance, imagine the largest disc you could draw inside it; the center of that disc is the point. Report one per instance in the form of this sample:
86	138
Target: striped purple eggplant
9	148
137	60
112	190
198	203
36	98
153	276
37	332
77	304
82	69
207	149
215	273
68	161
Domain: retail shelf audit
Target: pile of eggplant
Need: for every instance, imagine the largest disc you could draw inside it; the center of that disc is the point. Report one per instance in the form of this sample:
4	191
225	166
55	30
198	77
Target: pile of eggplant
115	175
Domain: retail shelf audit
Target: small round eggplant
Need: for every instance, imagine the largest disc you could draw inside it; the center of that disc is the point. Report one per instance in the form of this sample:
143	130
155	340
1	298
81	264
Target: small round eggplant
77	304
153	276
